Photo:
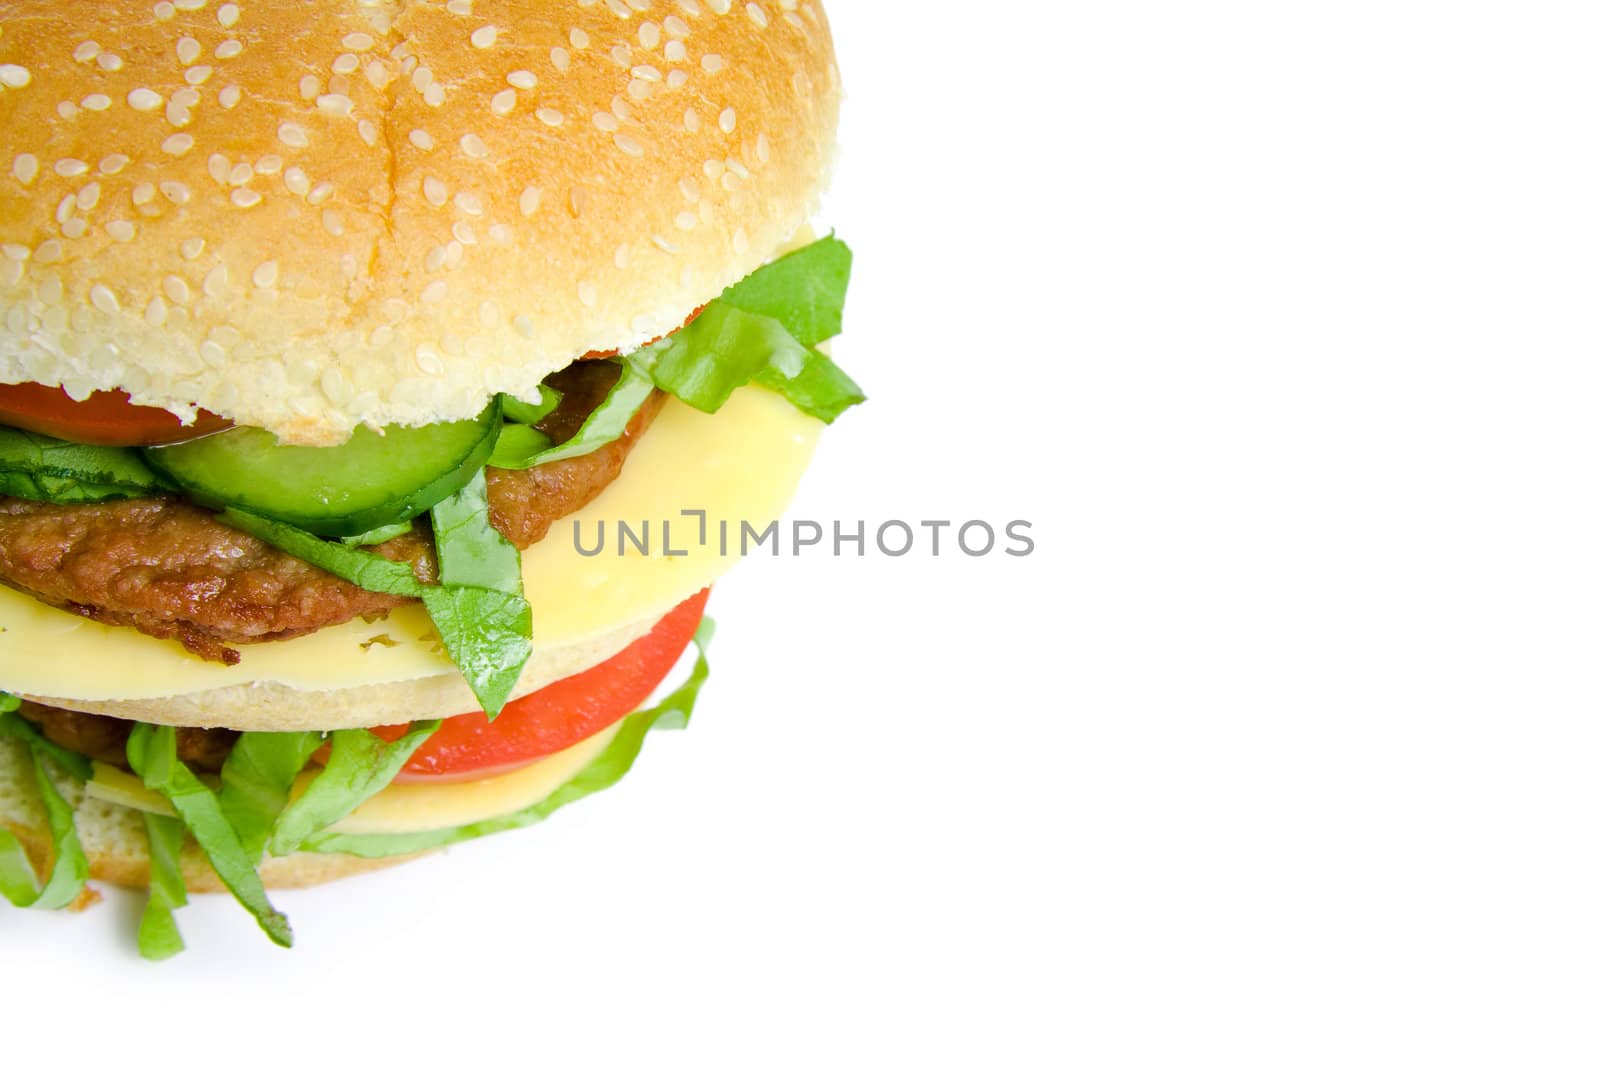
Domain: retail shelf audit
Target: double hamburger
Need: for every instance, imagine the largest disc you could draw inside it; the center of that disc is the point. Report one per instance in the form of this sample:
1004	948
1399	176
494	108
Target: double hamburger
329	333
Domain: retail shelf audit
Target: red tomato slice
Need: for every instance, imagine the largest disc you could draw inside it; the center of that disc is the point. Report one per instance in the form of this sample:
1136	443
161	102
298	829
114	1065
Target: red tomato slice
557	716
103	419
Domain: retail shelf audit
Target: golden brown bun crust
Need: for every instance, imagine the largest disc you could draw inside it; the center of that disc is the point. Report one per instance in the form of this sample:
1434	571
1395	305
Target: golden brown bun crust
114	838
305	216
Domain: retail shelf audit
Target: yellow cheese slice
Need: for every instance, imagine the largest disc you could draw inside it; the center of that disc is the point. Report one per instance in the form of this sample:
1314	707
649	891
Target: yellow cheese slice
405	808
740	465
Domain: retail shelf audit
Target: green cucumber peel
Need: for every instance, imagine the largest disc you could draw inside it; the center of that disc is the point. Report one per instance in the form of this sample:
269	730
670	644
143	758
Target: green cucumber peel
36	467
604	771
159	938
153	755
69	868
359	766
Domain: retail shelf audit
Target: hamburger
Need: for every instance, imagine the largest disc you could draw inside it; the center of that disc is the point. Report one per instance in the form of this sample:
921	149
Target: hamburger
329	335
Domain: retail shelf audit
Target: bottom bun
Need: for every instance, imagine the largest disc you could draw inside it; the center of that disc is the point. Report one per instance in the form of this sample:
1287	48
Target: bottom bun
113	837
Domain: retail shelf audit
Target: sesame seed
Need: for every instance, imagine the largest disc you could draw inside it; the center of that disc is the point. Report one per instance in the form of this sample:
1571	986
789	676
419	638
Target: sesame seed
560	59
335	104
691	120
197	75
155	312
528	202
176	288
675	52
619	9
459	7
665	245
228	49
727	120
377	74
757	15
229	97
266	275
686	220
13	76
96	102
192	248
74	228
310	86
49	252
188	50
500	233
67	207
216	282
649	35
484	37
522	79
719	7
241	174
293	136
469	203
346	64
86	52
121	230
368	131
187	97
588	295
622	54
711	63
165	10
177	114
144	100
629	145
359	42
333	222
71	168
489	314
113	163
104	299
675	26
143	193
622	257
646	73
25	168
67	109
550	116
503	102
472	145
245	198
579	39
20	253
639	89
435	291
433	263
320	194
422	139
421	78
606	121
177	192
89	196
464	233
435	191
454	253
109	62
433	96
228	14
763	148
269	164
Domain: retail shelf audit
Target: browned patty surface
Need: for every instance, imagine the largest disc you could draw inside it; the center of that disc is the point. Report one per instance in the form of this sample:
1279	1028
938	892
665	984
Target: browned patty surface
171	569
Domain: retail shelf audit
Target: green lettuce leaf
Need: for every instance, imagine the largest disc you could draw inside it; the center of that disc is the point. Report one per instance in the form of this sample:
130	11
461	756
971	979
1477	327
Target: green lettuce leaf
377	536
153	755
484	631
672	713
159	938
256	780
69	869
521	450
527	413
518	446
764	329
36	467
359	765
804	291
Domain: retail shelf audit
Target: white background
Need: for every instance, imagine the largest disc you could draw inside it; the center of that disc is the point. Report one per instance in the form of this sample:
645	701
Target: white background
1277	321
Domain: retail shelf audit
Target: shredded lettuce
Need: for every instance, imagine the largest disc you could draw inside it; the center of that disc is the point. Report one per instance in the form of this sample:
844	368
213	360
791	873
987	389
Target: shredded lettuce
672	713
804	291
377	536
484	630
522	411
153	755
69	868
159	938
359	765
605	424
256	782
36	467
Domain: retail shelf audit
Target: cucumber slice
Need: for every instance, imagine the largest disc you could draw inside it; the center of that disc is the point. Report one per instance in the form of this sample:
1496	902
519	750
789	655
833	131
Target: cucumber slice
372	480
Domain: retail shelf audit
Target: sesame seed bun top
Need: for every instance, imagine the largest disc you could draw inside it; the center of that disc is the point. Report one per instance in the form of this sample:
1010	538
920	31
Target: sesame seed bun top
306	216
